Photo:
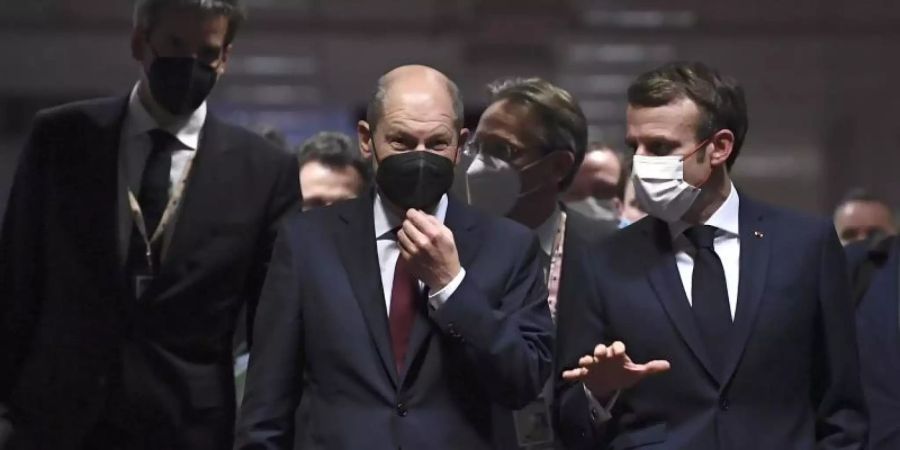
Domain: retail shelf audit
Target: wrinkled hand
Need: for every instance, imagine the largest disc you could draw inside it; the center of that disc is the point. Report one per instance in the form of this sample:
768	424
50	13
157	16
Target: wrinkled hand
429	247
610	369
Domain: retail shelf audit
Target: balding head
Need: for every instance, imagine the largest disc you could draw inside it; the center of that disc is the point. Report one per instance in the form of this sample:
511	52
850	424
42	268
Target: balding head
600	175
411	79
413	108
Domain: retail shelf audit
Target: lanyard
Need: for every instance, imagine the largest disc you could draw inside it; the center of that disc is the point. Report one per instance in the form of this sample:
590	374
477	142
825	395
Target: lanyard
553	275
164	221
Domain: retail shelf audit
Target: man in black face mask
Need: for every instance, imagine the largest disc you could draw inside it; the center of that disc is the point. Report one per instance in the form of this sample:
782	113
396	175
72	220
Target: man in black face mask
136	228
410	314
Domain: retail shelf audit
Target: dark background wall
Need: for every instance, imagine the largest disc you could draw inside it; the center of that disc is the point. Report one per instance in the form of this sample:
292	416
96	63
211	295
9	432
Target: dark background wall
820	75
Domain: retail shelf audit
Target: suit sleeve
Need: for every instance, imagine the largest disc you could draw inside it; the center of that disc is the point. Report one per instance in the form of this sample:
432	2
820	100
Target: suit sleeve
274	378
580	327
21	253
284	200
510	347
841	411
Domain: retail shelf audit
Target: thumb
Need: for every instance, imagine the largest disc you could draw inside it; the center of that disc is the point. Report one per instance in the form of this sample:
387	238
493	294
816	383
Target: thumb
654	367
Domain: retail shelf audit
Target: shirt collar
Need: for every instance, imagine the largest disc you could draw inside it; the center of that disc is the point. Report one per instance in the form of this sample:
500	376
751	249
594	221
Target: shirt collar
546	231
387	219
186	130
726	218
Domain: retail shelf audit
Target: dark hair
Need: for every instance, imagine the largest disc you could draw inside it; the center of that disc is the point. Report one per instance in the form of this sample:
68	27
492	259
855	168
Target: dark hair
334	150
563	124
859	194
720	99
148	12
375	108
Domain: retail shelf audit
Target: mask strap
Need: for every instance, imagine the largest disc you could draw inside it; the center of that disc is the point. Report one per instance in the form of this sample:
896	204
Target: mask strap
703	143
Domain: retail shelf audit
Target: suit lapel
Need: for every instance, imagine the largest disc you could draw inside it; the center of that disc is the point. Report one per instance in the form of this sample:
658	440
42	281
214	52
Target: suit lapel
462	223
355	238
754	262
200	193
665	281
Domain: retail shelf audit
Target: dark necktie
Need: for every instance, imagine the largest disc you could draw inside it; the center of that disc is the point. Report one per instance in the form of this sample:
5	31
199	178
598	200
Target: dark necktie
404	304
153	198
709	295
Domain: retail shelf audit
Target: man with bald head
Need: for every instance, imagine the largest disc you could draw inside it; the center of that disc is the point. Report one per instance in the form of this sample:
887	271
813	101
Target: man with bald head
400	319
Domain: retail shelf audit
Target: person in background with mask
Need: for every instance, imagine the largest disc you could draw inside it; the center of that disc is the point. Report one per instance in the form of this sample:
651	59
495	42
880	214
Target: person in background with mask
528	146
121	273
597	188
402	317
631	211
718	322
862	216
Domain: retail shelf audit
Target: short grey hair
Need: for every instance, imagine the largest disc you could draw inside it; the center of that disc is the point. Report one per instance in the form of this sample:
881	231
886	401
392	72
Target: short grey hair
148	12
375	108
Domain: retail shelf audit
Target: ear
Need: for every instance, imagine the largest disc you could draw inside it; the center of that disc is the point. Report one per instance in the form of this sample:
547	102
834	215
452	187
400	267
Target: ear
226	53
364	135
720	147
562	162
138	49
464	135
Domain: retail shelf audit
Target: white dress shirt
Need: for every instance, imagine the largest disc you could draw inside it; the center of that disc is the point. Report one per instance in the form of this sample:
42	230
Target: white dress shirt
386	220
134	150
727	245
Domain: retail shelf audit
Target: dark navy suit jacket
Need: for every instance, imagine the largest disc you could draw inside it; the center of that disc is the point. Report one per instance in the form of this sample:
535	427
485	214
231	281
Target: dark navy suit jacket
323	313
791	380
878	322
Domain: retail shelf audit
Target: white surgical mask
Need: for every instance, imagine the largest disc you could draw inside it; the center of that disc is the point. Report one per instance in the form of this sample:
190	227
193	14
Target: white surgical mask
492	184
660	188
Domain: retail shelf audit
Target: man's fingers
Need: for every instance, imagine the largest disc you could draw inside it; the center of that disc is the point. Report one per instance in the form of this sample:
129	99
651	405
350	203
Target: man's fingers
419	219
600	351
587	360
415	234
406	245
618	349
654	367
575	374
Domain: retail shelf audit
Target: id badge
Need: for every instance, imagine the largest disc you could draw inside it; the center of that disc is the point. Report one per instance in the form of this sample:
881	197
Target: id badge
141	283
533	425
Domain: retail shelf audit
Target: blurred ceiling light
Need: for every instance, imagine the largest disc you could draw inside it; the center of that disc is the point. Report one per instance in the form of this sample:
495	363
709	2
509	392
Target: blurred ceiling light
641	19
602	109
597	84
620	53
274	65
275	95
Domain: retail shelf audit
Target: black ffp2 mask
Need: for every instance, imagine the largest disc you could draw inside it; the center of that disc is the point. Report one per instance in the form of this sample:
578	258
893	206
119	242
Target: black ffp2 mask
414	179
180	84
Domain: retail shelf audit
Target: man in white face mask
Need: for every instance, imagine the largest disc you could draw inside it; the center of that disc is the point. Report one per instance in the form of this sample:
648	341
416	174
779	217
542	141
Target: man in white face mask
528	145
736	315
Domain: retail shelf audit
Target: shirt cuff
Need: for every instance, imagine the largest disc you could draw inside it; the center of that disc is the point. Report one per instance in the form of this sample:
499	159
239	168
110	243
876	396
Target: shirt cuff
600	413
437	299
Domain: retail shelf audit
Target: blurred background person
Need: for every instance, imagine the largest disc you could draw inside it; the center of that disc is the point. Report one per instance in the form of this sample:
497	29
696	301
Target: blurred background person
631	209
118	319
862	215
331	170
524	154
875	273
596	191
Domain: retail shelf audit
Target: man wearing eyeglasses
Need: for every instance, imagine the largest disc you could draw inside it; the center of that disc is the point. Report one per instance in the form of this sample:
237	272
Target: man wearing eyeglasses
526	150
137	226
718	322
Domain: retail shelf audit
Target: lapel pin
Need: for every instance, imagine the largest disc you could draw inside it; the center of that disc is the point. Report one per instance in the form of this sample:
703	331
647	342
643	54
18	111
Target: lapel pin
759	234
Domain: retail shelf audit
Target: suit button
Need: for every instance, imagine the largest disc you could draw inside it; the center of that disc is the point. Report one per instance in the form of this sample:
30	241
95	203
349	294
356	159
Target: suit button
723	404
401	410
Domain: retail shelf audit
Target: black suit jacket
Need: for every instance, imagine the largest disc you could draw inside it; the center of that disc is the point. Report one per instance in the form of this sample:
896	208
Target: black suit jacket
792	380
878	325
74	338
323	312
